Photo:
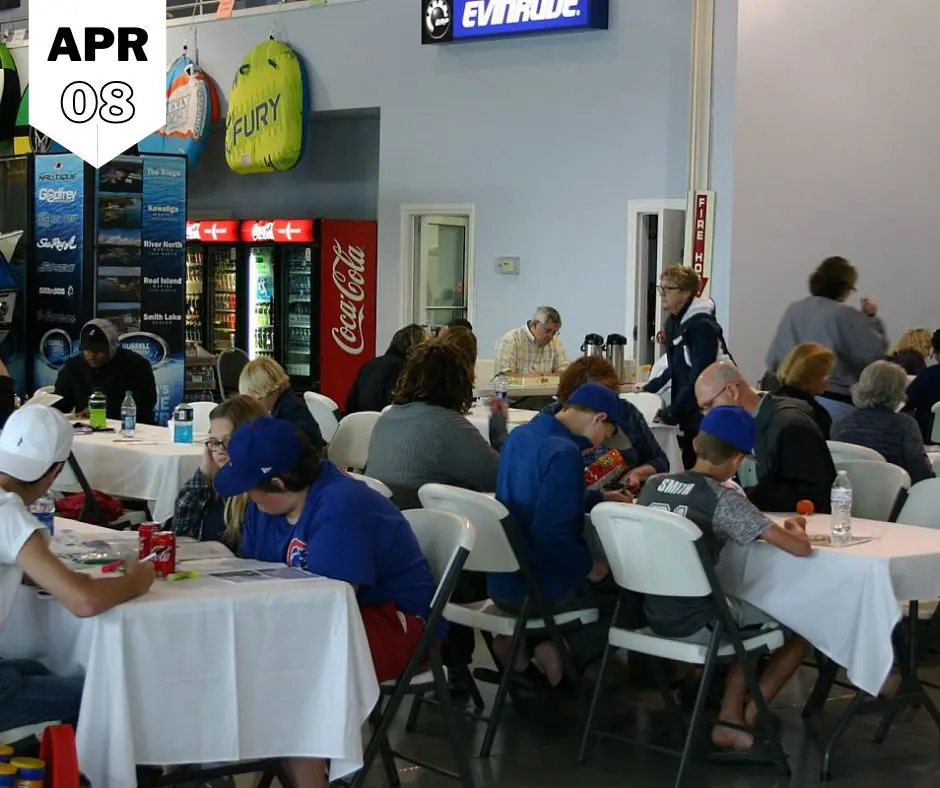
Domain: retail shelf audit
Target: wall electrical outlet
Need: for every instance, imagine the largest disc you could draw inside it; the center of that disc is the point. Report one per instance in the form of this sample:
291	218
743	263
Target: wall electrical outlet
507	265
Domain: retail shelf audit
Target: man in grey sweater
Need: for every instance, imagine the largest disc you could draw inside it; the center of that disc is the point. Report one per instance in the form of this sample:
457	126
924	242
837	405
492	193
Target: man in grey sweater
857	337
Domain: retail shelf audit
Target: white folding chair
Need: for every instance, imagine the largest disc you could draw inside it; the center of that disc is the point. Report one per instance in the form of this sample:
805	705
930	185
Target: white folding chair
201	411
922	506
646	402
46	390
350	445
655	552
843	452
323	410
935	425
446	540
375	484
878	488
747	472
494	552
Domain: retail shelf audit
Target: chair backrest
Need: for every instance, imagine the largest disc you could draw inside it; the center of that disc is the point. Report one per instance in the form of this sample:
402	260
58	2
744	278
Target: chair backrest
747	472
442	536
228	367
375	484
651	551
46	390
323	410
350	445
935	425
201	411
876	487
646	402
850	451
492	551
922	506
483	372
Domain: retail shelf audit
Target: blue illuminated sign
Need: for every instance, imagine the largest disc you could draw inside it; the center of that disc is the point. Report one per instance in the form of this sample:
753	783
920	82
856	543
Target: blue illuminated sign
446	21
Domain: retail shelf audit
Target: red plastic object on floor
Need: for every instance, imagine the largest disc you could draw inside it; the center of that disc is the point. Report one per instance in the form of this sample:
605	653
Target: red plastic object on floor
58	751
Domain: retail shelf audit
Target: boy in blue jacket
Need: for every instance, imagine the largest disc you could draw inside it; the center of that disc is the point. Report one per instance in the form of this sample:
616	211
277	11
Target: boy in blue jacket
541	483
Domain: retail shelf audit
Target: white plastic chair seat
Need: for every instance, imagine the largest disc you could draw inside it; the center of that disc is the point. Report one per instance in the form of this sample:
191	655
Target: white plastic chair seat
201	411
842	452
15	735
323	410
486	617
376	484
922	506
349	447
876	486
645	641
935	427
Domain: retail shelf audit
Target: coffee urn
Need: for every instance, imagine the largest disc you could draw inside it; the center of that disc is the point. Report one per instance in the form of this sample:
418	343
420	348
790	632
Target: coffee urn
593	345
614	350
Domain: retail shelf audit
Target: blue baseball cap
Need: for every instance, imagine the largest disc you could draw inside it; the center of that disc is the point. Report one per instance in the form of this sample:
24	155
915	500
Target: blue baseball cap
258	450
731	424
598	398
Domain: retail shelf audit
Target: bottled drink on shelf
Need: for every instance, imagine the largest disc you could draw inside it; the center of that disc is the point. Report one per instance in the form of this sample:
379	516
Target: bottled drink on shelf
128	416
841	503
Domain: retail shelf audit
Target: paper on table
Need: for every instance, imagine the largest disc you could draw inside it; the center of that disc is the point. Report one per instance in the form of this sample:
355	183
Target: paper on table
46	398
201	551
254	575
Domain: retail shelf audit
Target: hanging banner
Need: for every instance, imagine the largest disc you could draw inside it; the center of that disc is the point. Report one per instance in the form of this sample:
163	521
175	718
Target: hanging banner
58	245
700	235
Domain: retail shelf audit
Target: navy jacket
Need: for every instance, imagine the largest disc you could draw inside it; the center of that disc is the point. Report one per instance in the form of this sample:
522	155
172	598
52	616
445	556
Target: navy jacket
922	394
291	407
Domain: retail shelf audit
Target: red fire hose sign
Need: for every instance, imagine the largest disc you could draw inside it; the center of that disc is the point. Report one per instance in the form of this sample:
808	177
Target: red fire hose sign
97	81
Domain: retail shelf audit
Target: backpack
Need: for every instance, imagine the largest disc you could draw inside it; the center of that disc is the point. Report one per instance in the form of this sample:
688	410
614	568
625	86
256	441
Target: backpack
723	353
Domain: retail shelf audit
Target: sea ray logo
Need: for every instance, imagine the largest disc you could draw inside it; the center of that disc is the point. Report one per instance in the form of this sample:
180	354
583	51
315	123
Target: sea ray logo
265	470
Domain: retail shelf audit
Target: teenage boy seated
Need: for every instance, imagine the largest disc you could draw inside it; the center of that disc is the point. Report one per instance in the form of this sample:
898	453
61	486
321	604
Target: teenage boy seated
541	483
34	445
726	436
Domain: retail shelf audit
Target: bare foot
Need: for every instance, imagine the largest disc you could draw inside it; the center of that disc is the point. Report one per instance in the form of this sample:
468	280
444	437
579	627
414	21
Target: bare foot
501	649
549	660
750	714
731	738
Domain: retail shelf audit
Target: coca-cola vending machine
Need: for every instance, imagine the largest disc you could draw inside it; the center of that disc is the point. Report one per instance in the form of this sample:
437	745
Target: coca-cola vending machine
311	291
211	284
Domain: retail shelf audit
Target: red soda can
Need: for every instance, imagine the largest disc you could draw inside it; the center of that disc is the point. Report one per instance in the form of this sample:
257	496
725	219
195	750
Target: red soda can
164	545
145	534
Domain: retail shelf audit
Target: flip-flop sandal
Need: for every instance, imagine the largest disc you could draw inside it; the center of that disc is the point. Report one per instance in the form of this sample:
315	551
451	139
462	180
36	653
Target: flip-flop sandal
757	754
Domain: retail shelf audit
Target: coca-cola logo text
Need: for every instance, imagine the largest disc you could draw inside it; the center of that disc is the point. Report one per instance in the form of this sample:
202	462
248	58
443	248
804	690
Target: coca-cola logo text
192	231
348	265
262	231
57	244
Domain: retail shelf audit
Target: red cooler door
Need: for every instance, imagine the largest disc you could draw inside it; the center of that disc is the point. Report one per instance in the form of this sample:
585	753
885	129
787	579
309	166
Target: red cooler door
348	293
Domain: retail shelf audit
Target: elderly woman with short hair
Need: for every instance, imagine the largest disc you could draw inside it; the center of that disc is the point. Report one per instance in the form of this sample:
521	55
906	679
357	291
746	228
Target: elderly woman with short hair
876	423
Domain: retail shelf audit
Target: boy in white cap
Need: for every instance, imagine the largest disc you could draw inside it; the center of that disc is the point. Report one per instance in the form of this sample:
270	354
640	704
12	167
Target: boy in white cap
34	445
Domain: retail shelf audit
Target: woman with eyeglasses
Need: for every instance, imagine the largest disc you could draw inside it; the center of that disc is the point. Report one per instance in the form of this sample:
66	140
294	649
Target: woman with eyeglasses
201	512
694	340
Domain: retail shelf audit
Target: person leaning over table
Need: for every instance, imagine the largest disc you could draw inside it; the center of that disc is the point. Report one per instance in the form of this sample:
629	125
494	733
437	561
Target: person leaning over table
793	459
34	446
804	375
265	380
641	452
200	512
372	389
306	513
726	436
876	423
103	364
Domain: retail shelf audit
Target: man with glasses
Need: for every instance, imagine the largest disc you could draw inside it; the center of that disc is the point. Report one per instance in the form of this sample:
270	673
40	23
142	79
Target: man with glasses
532	349
693	341
793	459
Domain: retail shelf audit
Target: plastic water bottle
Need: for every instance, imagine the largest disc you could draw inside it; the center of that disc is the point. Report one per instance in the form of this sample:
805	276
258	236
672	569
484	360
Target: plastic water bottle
501	387
98	410
183	423
841	501
128	416
43	509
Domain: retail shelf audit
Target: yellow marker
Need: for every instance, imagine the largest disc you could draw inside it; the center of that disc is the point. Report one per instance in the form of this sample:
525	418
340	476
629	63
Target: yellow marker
182	575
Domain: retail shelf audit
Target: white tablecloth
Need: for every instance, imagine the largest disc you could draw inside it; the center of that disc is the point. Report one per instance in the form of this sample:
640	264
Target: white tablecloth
845	601
204	671
666	436
153	470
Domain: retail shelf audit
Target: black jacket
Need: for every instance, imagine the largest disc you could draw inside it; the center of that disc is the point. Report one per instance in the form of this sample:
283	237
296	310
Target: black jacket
126	371
7	399
693	339
820	414
373	387
291	407
793	460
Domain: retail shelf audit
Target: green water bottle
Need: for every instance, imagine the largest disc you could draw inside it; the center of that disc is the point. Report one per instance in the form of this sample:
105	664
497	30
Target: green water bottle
98	410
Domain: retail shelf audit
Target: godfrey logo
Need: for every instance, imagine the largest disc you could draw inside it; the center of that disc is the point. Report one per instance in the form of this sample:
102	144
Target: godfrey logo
58	195
57	244
348	265
455	20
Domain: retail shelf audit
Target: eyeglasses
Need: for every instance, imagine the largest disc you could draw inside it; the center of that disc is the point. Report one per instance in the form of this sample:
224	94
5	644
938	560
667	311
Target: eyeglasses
214	444
711	403
663	289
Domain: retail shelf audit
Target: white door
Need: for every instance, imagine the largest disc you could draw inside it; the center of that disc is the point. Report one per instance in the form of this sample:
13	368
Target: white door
669	244
441	292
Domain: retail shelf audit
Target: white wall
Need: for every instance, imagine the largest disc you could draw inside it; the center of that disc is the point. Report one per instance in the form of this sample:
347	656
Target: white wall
836	151
549	137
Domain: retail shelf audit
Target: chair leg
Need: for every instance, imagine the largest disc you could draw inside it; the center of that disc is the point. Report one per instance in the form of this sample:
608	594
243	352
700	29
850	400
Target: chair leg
504	681
764	722
382	719
698	710
467	678
450	719
517	703
416	705
669	701
385	750
828	670
592	709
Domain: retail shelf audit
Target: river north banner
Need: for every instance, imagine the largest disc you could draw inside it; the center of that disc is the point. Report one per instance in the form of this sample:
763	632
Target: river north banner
59	247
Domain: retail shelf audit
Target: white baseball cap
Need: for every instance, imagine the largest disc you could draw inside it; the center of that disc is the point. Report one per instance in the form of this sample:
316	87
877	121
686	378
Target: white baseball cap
33	439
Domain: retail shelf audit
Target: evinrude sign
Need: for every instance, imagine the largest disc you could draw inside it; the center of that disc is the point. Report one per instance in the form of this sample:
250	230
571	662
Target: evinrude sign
447	21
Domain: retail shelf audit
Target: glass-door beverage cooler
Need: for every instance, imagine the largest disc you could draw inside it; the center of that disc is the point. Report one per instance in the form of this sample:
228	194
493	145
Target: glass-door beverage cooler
298	266
212	284
262	303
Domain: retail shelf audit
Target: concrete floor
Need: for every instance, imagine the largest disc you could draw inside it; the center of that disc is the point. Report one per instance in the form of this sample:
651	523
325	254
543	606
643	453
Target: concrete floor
541	750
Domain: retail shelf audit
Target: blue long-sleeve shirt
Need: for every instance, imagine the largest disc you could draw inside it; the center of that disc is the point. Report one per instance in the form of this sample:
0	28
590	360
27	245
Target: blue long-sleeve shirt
541	483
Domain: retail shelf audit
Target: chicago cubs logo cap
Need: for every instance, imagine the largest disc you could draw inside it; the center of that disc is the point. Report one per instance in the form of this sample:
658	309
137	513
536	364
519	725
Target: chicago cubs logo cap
258	450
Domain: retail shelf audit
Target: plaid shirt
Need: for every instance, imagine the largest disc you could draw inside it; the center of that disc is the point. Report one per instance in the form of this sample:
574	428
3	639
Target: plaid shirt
191	503
518	352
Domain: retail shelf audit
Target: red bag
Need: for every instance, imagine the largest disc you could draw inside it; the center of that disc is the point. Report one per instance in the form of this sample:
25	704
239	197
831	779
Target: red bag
57	751
70	507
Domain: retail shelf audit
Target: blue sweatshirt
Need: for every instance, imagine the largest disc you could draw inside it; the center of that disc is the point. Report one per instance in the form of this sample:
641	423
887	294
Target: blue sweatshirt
347	531
541	483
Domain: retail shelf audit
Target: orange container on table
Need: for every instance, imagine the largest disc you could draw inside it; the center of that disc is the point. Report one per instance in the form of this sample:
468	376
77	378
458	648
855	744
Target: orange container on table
805	508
